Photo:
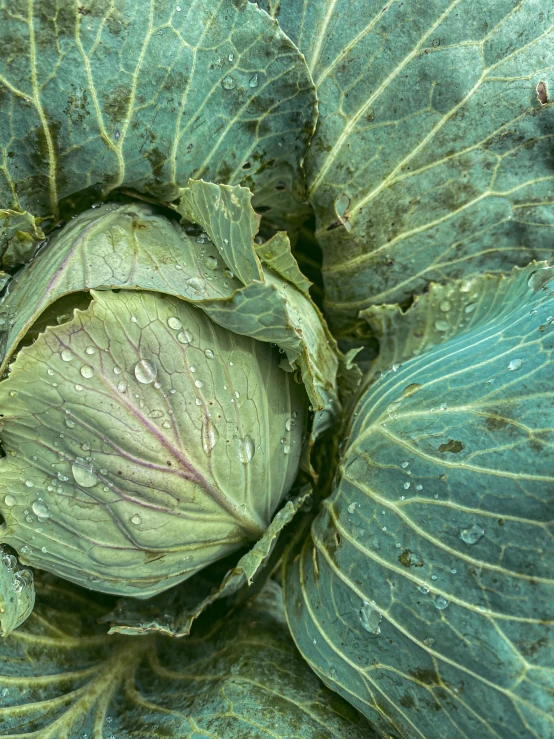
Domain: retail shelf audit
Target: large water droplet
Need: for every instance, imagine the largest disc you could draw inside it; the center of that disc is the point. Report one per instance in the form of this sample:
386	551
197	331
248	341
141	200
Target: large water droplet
9	561
196	284
290	424
136	519
199	383
87	372
472	534
228	83
174	323
209	353
253	81
370	618
40	510
515	364
247	449
90	350
210	262
122	386
145	371
210	436
441	603
9	500
83	474
442	325
66	355
184	337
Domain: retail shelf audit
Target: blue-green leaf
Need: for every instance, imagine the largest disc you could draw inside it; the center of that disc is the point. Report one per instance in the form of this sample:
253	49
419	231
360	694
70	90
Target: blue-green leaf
101	94
17	592
425	593
433	154
236	676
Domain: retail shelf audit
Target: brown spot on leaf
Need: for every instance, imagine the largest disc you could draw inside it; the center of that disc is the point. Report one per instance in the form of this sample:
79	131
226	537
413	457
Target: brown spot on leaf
542	93
410	389
453	446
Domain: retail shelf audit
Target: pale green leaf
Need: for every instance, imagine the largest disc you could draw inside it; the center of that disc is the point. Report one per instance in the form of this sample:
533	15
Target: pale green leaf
19	235
101	94
17	593
143	442
63	677
276	253
432	159
425	593
173	612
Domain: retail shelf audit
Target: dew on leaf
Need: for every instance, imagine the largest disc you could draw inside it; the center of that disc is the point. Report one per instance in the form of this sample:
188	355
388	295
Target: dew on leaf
441	603
66	355
515	364
228	83
199	383
370	618
209	353
472	534
83	474
174	323
40	510
253	81
87	372
145	371
246	449
211	263
136	519
184	337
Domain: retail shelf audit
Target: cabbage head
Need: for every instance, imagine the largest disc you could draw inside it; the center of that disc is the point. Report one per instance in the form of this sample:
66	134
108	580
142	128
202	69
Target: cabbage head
154	410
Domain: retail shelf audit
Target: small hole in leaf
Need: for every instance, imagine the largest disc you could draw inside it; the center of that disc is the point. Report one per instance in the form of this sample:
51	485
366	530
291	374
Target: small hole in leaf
263	208
280	186
542	93
246	165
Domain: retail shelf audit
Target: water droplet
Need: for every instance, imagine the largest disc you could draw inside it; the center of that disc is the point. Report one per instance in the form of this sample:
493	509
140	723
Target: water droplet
184	337
136	519
29	483
178	8
406	486
453	570
50	372
44	550
192	368
290	424
515	364
87	372
253	81
9	561
90	350
196	284
86	447
79	388
246	449
117	370
133	319
441	603
210	437
156	414
209	353
166	425
370	618
174	323
352	508
199	383
40	510
429	641
404	464
228	83
445	306
122	386
145	371
419	487
472	534
66	355
286	449
231	57
25	549
83	474
228	274
211	263
69	423
117	135
423	589
441	325
470	307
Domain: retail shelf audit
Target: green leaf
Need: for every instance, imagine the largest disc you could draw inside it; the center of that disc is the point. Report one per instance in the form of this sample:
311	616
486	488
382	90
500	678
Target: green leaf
276	253
132	247
19	235
17	592
173	612
104	94
425	593
62	677
143	442
432	159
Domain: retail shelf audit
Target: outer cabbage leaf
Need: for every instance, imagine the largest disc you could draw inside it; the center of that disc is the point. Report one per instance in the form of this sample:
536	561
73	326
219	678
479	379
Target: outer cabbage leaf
134	248
234	677
143	442
433	154
17	592
19	235
103	94
174	611
425	593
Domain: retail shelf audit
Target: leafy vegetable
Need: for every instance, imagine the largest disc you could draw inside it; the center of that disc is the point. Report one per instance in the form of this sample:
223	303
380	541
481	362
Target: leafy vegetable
185	188
62	676
433	154
425	593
